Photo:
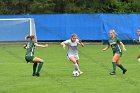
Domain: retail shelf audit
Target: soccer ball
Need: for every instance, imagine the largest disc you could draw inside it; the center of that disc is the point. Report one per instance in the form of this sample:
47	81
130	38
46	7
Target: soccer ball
75	73
138	60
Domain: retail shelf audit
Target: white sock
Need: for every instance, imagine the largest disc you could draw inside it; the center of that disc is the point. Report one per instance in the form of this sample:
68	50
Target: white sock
76	67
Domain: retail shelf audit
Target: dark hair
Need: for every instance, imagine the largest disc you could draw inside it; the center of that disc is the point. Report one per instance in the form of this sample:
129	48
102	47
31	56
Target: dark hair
30	37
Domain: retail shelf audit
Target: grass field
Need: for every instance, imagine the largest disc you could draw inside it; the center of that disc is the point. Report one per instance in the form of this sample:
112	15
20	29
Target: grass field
56	75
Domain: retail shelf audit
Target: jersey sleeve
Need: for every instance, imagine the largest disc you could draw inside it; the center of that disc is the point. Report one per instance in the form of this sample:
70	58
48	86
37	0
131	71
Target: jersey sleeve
118	40
66	42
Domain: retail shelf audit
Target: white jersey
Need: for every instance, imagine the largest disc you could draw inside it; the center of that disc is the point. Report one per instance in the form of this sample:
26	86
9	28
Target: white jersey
139	38
72	47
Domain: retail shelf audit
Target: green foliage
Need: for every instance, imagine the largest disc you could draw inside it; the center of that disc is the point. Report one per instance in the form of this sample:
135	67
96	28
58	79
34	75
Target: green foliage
68	6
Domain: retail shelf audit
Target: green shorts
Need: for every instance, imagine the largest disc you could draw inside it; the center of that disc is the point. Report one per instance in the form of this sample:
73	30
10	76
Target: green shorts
117	52
29	58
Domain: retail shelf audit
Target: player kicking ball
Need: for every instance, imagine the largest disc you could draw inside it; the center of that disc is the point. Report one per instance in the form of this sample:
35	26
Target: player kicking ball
72	53
29	57
115	43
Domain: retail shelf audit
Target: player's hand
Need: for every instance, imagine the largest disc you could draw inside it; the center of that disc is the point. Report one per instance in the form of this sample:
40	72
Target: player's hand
104	49
46	45
124	49
24	46
64	47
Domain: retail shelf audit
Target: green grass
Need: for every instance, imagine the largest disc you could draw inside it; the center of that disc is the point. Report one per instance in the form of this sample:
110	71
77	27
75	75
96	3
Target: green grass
56	75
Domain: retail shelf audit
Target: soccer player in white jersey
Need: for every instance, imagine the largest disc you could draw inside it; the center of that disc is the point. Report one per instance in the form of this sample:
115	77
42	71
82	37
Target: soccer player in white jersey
72	52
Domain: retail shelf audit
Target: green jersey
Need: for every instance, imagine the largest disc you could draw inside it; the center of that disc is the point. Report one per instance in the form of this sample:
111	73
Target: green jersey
115	45
30	48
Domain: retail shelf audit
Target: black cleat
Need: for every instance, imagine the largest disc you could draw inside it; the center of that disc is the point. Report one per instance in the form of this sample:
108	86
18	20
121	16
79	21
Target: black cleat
112	73
33	74
37	74
124	71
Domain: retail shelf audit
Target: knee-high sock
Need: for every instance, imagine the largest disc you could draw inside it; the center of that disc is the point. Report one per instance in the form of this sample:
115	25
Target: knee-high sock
34	68
114	67
121	67
76	67
39	67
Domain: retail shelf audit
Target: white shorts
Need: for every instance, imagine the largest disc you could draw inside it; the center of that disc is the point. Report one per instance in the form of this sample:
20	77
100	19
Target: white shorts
75	56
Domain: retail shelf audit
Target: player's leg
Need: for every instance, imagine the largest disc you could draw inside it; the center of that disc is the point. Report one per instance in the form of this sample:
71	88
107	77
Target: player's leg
30	59
77	61
77	58
34	69
40	61
120	66
114	60
138	56
73	60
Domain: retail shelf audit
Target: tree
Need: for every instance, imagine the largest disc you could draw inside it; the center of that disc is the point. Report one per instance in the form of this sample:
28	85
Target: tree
68	6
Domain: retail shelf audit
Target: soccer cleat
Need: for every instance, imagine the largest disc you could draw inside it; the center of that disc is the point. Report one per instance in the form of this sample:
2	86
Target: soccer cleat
37	74
112	73
124	71
80	72
33	74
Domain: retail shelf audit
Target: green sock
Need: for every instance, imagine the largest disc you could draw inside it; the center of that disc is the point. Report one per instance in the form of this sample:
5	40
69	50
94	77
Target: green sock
39	67
34	67
114	66
121	67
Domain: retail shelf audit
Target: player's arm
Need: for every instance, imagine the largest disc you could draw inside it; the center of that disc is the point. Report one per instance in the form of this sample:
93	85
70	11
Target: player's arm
63	44
39	45
136	41
124	49
107	47
25	46
81	43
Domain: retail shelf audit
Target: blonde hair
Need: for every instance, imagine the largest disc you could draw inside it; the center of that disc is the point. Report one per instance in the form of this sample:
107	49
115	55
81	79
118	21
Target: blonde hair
113	31
74	35
138	30
30	36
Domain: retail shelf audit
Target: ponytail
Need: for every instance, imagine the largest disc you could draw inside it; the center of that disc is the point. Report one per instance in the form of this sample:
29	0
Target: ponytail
29	37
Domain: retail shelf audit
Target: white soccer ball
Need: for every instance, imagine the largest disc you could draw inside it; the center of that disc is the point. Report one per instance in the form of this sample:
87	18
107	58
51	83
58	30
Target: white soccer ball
138	60
75	73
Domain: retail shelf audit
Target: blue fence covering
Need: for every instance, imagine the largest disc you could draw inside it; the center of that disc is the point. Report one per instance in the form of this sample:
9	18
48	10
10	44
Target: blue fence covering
87	26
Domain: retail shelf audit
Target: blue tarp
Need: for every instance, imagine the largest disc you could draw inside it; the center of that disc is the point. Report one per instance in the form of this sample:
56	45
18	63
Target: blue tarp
87	26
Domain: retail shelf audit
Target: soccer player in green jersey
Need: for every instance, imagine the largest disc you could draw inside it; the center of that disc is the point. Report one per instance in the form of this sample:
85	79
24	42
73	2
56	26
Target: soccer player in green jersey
138	41
29	57
115	44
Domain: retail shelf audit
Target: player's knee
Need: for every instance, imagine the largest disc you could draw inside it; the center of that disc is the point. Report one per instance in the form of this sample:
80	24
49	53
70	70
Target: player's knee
41	60
117	64
113	60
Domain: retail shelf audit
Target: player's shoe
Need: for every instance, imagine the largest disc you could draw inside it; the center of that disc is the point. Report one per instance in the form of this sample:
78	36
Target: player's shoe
37	74
33	74
124	71
112	73
80	72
